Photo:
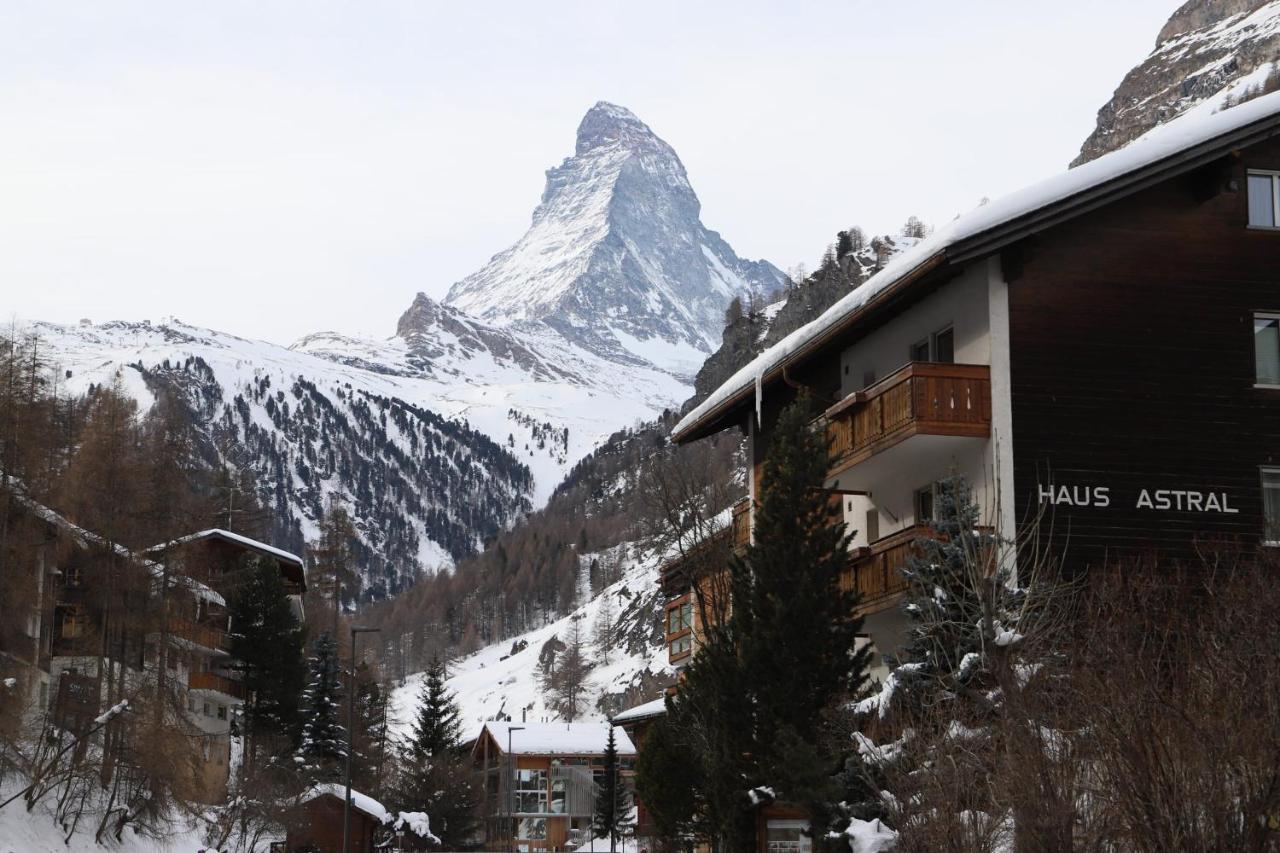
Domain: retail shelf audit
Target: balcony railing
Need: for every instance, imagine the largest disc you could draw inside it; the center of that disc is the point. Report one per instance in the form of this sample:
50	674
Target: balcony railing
210	681
206	636
923	398
875	571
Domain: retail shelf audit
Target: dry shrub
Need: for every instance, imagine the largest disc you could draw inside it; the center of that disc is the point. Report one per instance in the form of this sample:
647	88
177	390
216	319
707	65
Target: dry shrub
1177	687
1154	727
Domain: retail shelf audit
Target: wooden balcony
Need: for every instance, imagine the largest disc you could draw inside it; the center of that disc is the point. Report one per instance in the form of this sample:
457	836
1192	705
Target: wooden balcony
875	571
922	398
221	684
204	636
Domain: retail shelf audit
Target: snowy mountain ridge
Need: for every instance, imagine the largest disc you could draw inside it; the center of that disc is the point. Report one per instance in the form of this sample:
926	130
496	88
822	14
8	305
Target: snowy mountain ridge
616	259
429	463
1207	50
598	319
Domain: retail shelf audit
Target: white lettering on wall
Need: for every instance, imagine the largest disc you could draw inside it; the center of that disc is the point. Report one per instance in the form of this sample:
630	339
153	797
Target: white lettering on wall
1162	500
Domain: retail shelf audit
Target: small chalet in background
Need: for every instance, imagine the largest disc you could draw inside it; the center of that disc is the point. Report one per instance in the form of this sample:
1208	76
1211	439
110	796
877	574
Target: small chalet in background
540	781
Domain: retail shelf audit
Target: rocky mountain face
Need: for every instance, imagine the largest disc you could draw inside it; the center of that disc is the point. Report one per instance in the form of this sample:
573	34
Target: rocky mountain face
1211	53
456	427
756	328
616	259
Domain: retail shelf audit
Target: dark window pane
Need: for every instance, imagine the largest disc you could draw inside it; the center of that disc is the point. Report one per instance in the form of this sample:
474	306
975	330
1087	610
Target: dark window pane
944	346
1266	349
1262	209
920	351
1271	503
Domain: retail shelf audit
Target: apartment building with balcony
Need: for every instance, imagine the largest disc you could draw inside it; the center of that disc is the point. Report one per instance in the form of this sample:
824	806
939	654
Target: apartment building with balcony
540	781
197	625
1098	354
58	643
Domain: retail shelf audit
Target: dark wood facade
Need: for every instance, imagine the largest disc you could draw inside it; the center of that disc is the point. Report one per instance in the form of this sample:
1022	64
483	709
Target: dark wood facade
1132	368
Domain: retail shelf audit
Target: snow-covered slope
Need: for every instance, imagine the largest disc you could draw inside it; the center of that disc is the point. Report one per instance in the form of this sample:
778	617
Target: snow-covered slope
429	461
1206	48
494	682
616	259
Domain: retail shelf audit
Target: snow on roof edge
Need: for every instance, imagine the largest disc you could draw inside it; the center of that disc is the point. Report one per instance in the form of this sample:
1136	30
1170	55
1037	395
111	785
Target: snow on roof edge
234	537
88	538
654	708
1156	145
558	738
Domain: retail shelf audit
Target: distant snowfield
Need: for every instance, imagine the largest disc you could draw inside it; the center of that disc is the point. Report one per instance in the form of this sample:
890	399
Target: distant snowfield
486	685
479	390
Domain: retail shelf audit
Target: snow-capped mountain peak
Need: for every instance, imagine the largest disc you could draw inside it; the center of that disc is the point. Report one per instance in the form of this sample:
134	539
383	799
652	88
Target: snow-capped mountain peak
616	259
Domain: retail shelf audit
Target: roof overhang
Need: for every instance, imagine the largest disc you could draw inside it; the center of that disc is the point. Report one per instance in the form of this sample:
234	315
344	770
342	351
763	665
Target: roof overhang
734	409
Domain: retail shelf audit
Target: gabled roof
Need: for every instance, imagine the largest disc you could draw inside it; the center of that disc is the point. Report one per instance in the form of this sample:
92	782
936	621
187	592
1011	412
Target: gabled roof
360	802
218	534
87	539
1171	149
557	738
235	538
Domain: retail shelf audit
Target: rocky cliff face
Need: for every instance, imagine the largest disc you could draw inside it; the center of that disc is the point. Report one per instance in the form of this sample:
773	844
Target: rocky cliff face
749	334
616	259
1211	52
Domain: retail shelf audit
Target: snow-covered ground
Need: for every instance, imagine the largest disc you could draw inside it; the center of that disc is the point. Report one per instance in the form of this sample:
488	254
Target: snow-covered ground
36	832
493	681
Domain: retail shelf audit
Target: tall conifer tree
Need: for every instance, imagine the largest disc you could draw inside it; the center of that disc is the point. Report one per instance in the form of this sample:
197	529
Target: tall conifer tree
324	740
436	728
613	805
434	776
267	639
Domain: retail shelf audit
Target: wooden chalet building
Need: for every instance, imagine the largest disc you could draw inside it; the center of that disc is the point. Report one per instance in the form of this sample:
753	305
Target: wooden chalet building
198	626
1098	354
540	781
59	648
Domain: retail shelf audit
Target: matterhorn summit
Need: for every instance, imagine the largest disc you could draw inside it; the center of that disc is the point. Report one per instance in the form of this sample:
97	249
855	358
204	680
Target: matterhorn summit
617	260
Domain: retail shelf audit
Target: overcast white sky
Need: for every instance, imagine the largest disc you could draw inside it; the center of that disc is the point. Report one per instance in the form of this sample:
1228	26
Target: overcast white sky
273	169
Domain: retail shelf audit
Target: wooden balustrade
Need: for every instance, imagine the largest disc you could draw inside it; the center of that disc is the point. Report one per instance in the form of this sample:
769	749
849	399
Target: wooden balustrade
923	398
202	635
875	571
211	681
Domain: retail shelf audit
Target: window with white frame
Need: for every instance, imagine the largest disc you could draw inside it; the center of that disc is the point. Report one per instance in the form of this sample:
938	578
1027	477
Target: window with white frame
531	792
1264	199
1266	348
939	347
1271	505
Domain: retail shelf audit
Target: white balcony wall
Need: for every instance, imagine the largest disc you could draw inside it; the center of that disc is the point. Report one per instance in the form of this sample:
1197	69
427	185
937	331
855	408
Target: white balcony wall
961	304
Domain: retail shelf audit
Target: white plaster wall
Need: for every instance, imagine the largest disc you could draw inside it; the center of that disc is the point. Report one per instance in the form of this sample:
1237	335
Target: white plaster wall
913	465
961	304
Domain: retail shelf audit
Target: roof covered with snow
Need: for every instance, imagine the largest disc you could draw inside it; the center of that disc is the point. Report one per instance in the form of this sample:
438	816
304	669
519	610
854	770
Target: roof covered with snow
1168	150
363	802
656	708
236	538
558	738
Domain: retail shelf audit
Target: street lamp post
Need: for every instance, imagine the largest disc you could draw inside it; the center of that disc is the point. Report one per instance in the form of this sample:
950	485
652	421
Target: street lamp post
511	795
351	739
